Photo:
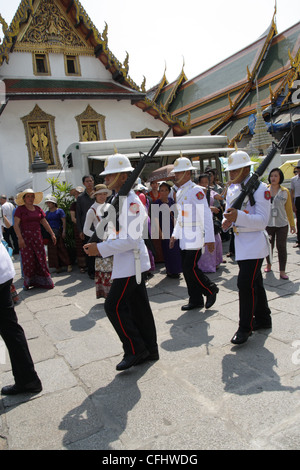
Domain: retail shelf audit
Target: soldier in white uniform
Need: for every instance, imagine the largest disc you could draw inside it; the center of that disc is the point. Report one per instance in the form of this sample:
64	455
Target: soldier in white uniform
127	305
193	228
251	246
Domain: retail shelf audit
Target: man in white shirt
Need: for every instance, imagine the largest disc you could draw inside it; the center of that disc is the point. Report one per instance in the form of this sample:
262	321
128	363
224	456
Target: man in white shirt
26	378
194	229
9	234
251	246
127	305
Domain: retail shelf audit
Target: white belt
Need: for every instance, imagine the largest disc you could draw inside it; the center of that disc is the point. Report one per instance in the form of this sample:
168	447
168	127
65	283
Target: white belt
189	224
138	271
238	230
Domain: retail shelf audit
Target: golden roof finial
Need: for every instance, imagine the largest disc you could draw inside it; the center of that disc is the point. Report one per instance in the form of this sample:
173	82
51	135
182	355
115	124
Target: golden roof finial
143	85
126	63
104	34
115	149
248	74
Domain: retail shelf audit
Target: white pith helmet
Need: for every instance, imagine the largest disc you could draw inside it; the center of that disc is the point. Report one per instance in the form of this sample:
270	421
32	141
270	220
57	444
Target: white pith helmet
182	164
117	163
238	159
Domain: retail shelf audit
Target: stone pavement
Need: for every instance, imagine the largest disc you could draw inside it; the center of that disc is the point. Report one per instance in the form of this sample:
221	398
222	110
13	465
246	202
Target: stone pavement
203	393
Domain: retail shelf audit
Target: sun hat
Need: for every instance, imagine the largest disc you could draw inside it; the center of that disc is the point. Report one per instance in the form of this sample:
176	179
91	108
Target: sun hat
140	187
38	197
78	189
101	188
51	199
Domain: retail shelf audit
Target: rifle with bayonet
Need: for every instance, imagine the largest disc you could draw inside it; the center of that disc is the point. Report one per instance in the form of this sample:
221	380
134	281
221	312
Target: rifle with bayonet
112	214
252	184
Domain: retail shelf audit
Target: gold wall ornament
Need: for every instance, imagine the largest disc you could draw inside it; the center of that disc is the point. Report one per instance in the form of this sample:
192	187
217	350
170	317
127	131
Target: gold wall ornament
146	133
40	137
91	125
50	30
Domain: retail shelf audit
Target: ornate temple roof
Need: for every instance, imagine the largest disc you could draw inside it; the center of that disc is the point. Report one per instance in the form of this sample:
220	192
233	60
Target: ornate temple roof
79	34
221	99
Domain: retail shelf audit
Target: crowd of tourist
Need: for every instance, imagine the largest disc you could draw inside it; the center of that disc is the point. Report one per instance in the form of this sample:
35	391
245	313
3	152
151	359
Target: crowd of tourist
29	229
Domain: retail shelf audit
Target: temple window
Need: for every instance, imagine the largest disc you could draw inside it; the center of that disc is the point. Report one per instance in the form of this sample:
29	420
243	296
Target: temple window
91	125
40	137
41	65
72	66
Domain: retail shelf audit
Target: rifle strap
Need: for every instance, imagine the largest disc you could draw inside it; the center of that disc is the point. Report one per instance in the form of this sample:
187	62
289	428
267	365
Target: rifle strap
251	194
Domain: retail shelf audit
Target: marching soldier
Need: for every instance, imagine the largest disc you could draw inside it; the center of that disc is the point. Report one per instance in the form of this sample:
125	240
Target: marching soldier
251	246
193	228
127	305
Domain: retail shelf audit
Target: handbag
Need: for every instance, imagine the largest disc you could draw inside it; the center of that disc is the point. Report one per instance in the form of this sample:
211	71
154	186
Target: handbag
104	265
217	225
46	235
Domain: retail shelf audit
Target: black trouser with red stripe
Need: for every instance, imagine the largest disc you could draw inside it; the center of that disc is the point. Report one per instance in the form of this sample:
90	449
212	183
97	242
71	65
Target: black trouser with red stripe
128	309
253	301
14	338
297	204
198	284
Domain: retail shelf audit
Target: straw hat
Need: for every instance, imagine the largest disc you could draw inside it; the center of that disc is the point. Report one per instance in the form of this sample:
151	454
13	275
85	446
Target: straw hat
38	197
78	189
101	188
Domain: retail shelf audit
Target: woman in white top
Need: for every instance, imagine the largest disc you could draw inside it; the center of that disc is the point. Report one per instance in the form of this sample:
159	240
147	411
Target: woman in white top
103	266
280	218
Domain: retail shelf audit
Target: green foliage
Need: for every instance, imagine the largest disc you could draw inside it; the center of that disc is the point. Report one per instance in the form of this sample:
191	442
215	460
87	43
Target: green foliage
257	161
61	190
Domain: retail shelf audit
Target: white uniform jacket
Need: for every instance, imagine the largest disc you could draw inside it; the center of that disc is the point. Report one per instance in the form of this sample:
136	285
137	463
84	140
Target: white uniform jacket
128	241
7	270
194	224
251	239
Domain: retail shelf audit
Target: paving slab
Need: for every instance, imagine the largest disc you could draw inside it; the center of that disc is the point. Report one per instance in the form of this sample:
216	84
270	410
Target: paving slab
203	394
